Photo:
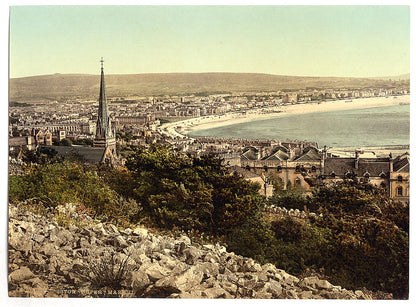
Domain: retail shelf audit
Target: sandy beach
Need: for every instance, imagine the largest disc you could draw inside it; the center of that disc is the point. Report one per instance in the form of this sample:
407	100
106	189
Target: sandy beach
181	128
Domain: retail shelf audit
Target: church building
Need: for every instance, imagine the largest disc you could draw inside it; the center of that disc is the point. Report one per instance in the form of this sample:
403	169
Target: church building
104	146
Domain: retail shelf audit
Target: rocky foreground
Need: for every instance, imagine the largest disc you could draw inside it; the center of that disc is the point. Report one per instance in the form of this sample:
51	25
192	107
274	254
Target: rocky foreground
46	260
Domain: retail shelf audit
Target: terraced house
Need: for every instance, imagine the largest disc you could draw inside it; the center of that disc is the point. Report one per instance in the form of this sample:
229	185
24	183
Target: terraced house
307	166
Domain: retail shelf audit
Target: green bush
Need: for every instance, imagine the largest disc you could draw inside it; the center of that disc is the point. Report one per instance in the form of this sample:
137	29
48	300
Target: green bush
69	182
190	192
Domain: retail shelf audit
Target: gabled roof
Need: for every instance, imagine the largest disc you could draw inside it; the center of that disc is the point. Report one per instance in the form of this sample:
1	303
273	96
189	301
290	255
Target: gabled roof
340	166
277	155
309	154
374	166
402	165
89	154
250	154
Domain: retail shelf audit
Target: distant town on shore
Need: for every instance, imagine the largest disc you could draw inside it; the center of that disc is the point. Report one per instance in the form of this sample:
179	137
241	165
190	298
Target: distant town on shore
143	120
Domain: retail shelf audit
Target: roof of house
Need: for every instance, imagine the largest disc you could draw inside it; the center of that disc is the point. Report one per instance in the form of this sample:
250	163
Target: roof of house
309	154
18	141
250	154
278	154
340	166
89	154
402	165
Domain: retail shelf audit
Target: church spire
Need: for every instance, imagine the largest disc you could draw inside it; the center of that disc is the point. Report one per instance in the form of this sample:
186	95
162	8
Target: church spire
103	120
104	135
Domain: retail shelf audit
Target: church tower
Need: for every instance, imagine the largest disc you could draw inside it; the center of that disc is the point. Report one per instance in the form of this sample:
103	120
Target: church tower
105	135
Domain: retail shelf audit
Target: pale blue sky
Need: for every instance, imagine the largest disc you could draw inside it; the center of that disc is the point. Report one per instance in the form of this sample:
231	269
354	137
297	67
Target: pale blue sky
356	41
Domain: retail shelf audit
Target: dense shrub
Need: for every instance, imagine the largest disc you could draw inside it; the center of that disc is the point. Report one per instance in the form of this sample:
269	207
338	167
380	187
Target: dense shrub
190	192
361	240
69	182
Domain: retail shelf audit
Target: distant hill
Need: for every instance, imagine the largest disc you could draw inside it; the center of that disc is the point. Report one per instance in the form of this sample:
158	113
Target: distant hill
394	78
52	87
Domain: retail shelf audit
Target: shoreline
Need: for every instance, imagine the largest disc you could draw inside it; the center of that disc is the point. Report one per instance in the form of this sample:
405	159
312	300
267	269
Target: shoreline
182	128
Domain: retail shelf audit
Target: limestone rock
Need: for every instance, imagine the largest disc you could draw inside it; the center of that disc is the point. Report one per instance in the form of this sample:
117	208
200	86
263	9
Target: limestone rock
45	258
21	274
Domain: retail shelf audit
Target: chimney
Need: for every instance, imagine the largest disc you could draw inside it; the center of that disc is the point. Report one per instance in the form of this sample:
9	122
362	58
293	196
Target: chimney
291	153
390	163
357	157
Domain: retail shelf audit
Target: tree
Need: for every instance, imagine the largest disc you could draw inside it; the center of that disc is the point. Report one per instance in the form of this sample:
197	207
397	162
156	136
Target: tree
65	142
191	192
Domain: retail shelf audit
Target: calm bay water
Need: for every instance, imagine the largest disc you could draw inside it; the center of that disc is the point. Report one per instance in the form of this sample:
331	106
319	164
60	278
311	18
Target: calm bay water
360	127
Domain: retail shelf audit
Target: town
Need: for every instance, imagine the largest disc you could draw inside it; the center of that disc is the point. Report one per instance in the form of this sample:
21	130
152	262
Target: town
71	127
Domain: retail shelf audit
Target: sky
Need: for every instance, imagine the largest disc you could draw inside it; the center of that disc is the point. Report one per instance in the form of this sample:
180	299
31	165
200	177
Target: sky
345	41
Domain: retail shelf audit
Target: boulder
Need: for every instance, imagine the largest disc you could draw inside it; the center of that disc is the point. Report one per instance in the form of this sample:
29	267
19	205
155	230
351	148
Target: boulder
48	249
208	269
273	287
139	281
187	280
112	228
21	244
120	242
156	272
141	232
323	284
38	238
192	254
19	275
100	230
216	292
306	295
229	287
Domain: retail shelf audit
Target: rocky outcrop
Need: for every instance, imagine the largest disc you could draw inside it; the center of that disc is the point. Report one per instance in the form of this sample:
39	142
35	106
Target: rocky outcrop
46	260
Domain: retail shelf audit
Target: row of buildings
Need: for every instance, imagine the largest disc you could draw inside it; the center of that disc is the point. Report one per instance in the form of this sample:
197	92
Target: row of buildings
291	164
307	167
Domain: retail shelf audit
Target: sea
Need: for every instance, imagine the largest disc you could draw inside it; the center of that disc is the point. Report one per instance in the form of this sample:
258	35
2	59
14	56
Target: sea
377	126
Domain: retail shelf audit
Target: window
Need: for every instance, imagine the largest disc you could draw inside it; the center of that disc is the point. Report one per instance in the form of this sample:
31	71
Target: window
279	168
247	167
399	178
297	182
313	168
383	185
265	168
399	191
297	169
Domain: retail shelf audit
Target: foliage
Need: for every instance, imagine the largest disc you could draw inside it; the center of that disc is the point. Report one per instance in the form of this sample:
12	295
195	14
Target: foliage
125	136
108	270
65	142
370	236
361	240
69	182
299	246
84	142
163	120
292	198
252	239
42	155
190	192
